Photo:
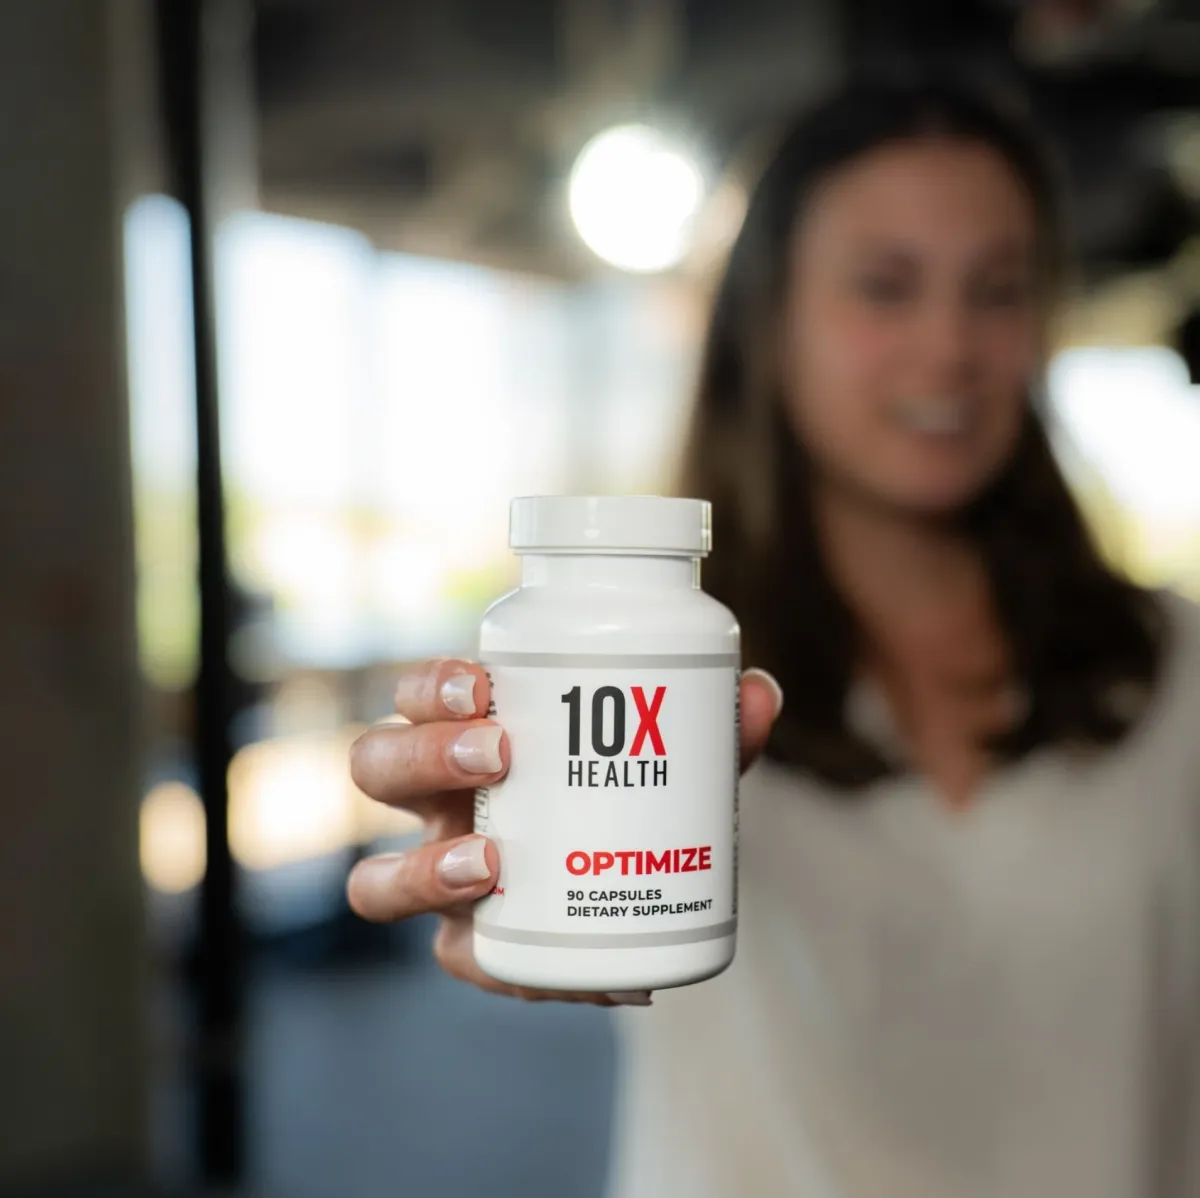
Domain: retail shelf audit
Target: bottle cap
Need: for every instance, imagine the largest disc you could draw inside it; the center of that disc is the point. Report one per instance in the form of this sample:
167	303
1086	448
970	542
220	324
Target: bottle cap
610	523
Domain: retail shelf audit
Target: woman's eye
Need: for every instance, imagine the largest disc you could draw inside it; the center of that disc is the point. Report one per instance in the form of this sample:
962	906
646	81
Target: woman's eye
881	289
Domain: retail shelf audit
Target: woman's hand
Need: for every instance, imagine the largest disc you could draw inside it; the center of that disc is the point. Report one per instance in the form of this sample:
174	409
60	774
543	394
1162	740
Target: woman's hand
430	766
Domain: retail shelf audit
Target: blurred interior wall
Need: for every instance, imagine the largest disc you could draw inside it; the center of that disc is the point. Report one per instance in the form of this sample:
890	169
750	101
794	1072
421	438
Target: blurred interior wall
74	85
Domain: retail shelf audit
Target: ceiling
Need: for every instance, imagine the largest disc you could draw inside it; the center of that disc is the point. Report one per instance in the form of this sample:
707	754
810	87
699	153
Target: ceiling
448	128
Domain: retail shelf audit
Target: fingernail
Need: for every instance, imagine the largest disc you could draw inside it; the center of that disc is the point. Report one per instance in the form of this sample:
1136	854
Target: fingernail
769	679
477	750
458	694
465	864
631	998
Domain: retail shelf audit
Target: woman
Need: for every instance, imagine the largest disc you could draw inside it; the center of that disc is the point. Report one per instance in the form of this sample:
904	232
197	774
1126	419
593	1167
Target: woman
969	951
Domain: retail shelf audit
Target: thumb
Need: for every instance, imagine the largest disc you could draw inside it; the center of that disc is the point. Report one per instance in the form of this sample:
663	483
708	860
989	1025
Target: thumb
762	701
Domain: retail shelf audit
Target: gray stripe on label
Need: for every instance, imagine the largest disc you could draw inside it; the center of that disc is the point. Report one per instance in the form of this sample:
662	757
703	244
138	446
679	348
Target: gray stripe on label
716	931
631	661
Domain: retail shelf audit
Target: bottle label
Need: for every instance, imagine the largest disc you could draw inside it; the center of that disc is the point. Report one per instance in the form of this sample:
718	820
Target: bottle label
617	821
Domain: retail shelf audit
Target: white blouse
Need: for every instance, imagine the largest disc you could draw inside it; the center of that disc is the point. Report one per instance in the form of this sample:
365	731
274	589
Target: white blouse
997	1003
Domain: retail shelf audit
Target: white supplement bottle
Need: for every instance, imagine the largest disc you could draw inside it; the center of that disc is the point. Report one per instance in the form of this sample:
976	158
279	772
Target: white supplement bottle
616	680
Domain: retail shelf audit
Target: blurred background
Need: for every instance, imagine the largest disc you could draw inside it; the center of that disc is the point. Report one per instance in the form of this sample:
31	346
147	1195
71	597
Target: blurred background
294	296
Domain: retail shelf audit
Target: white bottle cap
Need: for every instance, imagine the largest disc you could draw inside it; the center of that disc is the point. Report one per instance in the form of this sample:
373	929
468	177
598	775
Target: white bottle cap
610	523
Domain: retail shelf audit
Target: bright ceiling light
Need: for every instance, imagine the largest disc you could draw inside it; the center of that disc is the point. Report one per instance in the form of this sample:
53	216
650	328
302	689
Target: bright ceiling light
634	197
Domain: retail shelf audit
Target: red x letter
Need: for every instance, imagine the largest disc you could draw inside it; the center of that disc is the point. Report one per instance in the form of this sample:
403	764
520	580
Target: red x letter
649	722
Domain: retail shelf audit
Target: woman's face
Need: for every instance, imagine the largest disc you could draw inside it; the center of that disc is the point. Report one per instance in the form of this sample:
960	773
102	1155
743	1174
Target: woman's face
914	323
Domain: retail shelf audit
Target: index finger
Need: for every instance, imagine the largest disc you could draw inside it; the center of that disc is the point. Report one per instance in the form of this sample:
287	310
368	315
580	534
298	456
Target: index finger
444	689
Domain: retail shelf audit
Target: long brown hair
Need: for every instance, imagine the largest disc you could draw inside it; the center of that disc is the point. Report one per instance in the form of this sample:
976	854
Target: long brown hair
1081	638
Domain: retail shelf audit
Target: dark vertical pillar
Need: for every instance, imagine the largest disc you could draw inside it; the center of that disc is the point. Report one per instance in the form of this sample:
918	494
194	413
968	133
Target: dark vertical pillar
202	45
